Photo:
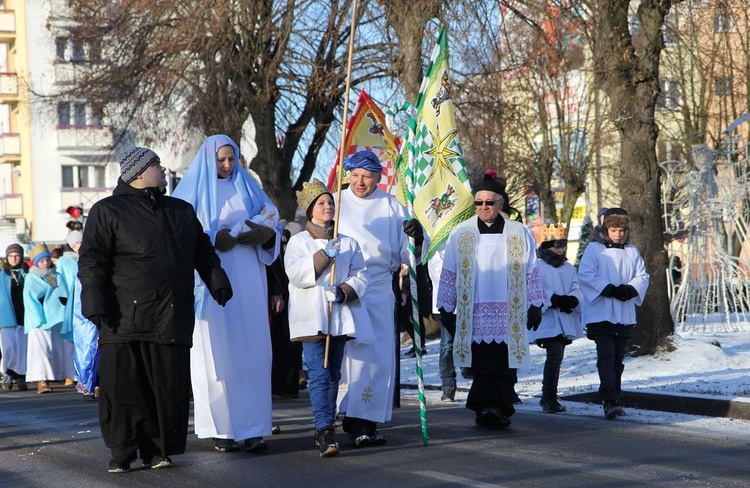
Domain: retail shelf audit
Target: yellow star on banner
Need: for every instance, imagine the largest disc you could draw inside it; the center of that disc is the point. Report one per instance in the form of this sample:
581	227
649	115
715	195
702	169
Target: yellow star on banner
441	153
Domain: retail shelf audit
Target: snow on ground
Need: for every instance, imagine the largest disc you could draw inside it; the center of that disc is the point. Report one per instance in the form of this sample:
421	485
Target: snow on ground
697	366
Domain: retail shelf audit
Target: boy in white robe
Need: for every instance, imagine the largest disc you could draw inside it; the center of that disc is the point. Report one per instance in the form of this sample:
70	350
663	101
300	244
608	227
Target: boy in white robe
613	279
561	321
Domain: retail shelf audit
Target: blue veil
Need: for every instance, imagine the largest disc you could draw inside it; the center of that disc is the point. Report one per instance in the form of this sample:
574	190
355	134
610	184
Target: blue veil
198	186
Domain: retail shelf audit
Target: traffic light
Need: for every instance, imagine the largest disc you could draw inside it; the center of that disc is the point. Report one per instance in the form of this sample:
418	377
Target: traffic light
76	213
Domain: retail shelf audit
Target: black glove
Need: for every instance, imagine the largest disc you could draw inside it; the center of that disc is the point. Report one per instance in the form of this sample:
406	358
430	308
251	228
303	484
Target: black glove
222	295
608	291
448	320
533	317
568	303
624	293
224	241
63	300
98	320
257	235
556	301
413	229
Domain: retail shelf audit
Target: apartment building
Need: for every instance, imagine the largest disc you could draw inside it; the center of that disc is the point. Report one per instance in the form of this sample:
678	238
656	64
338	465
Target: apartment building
54	153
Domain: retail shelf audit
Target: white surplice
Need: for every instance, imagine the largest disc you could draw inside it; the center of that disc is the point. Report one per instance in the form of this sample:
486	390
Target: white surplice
368	370
231	356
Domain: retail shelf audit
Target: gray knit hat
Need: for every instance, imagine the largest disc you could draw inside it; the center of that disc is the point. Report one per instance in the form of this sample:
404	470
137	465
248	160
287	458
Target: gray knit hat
135	162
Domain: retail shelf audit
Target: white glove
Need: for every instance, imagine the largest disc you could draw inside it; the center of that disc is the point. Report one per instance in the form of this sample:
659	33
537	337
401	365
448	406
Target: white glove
333	293
333	247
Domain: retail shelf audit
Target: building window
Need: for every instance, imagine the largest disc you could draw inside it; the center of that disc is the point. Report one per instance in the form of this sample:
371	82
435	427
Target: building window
63	113
670	95
78	114
77	51
669	35
723	85
61	43
723	23
67	176
84	176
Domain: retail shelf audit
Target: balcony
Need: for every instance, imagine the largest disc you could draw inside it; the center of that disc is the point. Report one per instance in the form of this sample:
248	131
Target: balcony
11	206
7	25
8	87
10	148
84	137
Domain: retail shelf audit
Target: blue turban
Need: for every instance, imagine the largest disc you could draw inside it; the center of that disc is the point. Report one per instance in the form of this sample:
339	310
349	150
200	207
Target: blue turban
365	160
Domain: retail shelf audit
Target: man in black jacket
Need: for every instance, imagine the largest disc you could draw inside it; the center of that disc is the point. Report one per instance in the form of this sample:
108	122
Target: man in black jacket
136	269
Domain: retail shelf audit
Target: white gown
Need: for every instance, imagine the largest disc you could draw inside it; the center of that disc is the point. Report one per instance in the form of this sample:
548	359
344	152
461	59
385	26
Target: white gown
231	356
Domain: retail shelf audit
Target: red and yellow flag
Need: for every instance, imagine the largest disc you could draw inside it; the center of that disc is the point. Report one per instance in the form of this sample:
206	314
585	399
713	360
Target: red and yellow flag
366	130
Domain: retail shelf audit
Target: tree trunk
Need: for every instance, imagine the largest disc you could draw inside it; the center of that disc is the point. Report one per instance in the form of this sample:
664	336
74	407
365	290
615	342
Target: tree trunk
627	69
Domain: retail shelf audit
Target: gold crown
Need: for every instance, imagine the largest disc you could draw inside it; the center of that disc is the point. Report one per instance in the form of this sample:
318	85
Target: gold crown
37	250
310	191
553	232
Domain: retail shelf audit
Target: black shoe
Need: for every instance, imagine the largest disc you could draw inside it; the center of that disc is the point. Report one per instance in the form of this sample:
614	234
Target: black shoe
361	439
119	465
449	394
551	405
325	441
377	439
612	411
276	429
255	444
21	384
226	445
157	462
491	417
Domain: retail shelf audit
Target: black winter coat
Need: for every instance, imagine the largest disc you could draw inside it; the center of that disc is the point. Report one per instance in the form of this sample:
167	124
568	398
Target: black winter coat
136	266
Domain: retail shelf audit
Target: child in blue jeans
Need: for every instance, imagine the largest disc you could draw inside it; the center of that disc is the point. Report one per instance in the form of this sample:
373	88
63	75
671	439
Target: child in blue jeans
310	257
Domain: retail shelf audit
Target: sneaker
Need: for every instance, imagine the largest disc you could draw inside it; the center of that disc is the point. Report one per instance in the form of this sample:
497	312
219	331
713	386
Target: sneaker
158	462
226	445
42	387
551	405
21	384
361	439
7	382
449	394
255	444
377	439
276	429
325	441
119	465
612	411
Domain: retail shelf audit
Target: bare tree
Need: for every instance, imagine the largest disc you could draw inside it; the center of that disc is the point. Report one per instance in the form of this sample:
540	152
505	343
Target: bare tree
626	68
209	66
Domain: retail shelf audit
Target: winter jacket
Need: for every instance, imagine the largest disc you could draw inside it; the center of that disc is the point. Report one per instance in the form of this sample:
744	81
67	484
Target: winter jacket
136	267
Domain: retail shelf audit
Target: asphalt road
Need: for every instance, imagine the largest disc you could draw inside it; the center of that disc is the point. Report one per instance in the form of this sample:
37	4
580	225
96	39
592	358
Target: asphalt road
54	441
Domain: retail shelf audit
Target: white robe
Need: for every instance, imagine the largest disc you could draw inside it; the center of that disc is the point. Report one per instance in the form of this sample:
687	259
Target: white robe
368	370
231	356
562	280
308	308
601	266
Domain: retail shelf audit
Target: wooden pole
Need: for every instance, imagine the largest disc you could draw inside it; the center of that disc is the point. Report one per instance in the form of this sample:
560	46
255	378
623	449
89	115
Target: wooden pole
340	165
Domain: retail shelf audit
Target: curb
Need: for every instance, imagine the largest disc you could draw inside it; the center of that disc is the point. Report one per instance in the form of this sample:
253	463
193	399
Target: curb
735	408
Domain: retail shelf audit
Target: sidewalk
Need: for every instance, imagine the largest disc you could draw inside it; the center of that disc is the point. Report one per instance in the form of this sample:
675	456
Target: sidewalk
706	374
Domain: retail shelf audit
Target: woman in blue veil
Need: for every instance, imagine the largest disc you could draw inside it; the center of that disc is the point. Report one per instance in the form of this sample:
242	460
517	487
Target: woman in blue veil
231	354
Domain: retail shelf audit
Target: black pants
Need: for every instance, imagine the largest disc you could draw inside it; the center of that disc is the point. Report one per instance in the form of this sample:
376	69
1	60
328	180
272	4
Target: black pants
555	348
610	354
493	379
144	398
